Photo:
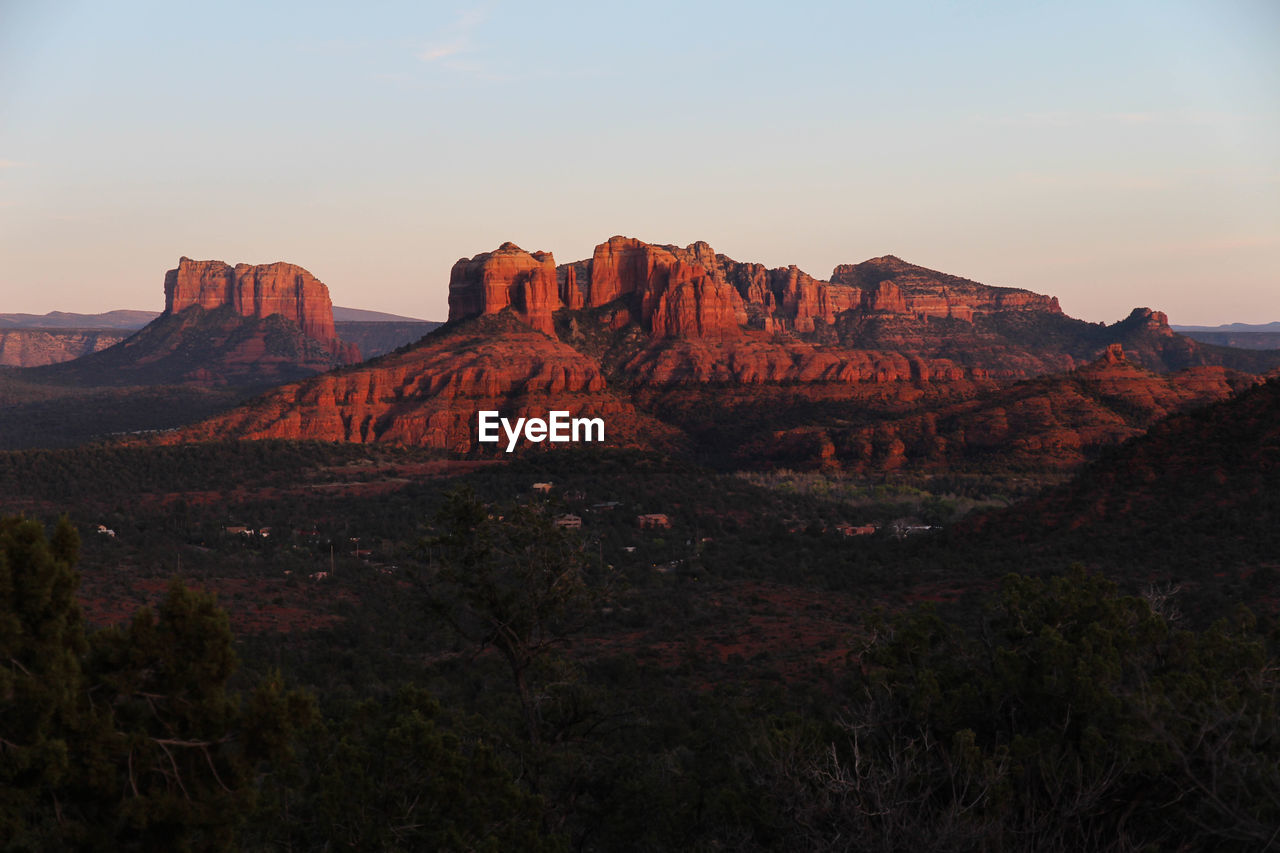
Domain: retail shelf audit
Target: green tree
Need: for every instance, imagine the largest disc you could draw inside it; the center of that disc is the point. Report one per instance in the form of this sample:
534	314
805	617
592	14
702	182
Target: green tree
184	752
41	643
1069	717
130	739
391	775
509	579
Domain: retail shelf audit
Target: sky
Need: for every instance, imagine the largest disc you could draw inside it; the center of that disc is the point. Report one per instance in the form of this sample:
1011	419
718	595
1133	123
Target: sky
1114	154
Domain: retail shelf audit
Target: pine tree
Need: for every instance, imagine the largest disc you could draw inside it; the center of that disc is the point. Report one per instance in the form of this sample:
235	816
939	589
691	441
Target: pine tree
41	643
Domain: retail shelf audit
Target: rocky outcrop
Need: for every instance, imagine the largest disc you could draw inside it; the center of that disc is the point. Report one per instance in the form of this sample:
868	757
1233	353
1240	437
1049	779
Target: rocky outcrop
258	291
763	361
694	292
892	365
35	347
1204	481
925	293
1054	422
243	326
430	395
509	277
200	346
570	293
773	300
678	293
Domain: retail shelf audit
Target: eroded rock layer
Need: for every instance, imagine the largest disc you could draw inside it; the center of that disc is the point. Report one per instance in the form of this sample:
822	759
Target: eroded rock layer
887	365
508	277
258	291
35	347
241	326
1054	422
430	395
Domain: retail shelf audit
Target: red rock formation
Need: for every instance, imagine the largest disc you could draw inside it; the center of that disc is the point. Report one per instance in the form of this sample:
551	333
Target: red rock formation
258	291
1156	322
430	395
34	347
623	265
1055	421
926	293
570	295
510	276
699	337
886	297
690	304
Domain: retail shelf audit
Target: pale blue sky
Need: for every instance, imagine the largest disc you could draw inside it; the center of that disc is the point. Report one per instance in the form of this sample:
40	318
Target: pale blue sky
1114	154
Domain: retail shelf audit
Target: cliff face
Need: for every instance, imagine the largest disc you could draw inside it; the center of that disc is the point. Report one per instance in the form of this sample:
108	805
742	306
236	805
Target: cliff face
258	291
508	277
242	326
888	365
891	285
695	293
35	347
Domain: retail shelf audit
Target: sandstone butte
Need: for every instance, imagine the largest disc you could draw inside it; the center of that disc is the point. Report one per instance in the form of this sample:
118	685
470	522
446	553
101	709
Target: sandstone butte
242	326
672	343
258	291
696	293
709	318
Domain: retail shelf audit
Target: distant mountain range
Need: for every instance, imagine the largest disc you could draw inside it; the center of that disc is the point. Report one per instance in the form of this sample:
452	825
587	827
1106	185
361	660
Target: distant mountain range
1264	336
127	319
120	319
885	366
1271	328
360	315
34	340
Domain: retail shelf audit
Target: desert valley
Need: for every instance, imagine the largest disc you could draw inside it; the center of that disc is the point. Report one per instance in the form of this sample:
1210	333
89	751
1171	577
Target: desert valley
892	555
488	426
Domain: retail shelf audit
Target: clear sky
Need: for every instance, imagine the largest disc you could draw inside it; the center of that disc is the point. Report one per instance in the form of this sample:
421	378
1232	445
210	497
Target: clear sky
1114	154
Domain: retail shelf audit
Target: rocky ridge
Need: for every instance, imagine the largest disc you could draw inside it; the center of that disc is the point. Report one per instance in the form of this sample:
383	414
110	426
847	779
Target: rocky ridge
35	347
1056	421
736	358
430	395
258	291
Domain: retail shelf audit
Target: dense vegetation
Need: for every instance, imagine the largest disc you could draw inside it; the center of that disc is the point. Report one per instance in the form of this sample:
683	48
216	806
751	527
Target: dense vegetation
423	659
1060	715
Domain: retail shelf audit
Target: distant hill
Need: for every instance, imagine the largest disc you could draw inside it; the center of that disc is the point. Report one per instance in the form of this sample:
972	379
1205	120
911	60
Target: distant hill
360	315
1272	328
26	347
1238	340
119	319
378	337
128	319
1056	421
1196	498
